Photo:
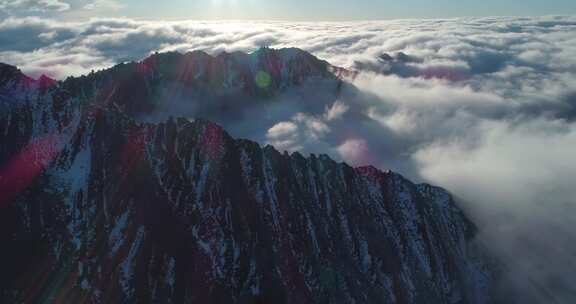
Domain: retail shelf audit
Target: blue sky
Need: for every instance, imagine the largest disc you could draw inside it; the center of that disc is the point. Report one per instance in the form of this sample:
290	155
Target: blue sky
343	9
285	9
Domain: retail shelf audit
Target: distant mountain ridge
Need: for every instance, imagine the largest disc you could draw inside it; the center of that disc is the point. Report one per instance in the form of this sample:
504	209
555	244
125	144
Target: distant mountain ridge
199	76
99	206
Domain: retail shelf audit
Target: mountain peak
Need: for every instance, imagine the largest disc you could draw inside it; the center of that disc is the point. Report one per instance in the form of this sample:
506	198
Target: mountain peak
200	84
10	73
45	82
177	210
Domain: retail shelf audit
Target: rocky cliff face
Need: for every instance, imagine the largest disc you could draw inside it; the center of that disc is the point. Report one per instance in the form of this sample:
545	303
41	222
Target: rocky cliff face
99	207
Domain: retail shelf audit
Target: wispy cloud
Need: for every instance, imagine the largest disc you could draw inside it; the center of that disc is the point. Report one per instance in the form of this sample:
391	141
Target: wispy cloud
41	6
76	9
103	5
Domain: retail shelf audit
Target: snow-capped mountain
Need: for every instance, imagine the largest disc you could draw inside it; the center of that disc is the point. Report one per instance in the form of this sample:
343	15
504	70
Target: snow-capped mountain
98	205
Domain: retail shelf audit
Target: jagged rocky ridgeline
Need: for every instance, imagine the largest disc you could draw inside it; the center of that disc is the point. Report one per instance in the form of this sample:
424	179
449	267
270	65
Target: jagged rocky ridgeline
97	207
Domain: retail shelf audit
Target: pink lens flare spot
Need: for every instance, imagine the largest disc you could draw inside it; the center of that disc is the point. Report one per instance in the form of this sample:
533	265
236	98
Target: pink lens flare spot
145	67
45	82
356	152
212	140
133	150
22	169
26	81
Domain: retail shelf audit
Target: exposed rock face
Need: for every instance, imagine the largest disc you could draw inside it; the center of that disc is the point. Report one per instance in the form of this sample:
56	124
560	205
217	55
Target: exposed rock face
97	207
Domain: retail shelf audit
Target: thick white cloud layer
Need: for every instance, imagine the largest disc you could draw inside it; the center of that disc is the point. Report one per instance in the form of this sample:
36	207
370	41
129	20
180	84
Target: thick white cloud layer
485	107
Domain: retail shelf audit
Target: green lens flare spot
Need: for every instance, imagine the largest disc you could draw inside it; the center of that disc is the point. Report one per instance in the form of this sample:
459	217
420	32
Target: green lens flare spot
263	79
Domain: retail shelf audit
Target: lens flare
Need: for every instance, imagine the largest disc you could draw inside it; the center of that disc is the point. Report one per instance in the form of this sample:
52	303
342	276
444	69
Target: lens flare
23	168
263	79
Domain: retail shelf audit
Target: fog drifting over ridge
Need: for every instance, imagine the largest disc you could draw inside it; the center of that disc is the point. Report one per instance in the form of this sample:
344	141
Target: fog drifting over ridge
484	107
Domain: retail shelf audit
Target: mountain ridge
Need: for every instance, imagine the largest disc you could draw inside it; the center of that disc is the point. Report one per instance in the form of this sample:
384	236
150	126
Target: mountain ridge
115	209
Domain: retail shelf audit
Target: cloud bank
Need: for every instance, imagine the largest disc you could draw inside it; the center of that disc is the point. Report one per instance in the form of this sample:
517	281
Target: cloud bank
485	107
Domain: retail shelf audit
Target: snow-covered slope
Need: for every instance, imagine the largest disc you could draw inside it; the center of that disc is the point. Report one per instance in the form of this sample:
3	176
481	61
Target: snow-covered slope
98	206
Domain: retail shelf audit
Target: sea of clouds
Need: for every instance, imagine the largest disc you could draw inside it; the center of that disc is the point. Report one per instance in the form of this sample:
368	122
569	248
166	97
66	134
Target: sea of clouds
484	107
